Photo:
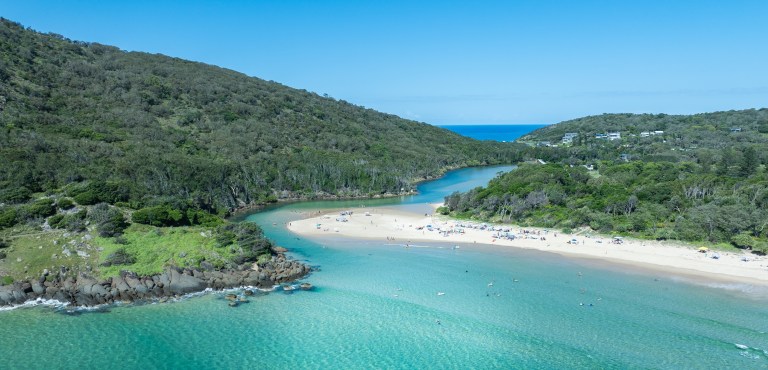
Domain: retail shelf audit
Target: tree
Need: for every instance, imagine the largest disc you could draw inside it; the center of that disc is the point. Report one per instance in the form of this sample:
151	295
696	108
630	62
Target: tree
749	162
109	220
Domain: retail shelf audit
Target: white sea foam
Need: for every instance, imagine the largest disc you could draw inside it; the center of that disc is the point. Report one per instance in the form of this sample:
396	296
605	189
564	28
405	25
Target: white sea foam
37	302
751	290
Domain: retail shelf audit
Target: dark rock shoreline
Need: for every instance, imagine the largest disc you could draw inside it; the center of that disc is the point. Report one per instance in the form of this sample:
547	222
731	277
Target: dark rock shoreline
83	290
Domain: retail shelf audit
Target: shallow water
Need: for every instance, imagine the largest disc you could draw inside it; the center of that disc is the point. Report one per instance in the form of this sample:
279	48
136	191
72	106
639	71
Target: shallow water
377	306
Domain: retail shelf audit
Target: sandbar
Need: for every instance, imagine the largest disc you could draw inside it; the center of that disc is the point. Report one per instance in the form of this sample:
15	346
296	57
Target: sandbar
405	228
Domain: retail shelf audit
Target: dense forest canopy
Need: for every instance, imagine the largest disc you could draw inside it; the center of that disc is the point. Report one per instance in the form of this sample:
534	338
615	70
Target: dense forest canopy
148	130
696	178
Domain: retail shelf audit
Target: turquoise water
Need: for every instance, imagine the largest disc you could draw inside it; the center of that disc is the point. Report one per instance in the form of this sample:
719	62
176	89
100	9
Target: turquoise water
377	306
493	132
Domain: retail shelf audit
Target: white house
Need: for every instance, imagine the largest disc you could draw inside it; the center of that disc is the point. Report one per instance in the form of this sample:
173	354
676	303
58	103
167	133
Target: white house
569	136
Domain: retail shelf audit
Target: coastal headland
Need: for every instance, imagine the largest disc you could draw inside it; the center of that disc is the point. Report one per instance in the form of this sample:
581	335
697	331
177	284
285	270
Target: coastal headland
404	228
84	290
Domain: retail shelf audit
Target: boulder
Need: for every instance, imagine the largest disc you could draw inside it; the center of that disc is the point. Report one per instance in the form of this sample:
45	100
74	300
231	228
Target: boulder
157	291
18	295
149	283
133	282
84	294
6	295
38	288
251	278
98	289
51	291
61	296
206	266
183	283
120	284
164	279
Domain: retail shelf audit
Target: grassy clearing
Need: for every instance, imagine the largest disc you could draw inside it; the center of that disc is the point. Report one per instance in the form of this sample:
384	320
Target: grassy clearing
33	251
158	247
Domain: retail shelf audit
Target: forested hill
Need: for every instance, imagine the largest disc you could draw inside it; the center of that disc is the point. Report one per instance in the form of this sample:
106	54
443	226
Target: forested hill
149	129
698	178
699	137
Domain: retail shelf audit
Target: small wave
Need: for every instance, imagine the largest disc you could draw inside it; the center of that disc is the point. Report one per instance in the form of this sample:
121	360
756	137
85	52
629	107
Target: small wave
749	355
421	246
37	302
67	308
746	289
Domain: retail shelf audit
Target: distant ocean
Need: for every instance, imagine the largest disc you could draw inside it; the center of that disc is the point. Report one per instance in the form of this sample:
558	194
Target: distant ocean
493	132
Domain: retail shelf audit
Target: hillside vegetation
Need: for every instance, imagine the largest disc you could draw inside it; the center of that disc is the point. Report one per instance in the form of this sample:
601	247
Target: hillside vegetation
698	178
113	160
148	129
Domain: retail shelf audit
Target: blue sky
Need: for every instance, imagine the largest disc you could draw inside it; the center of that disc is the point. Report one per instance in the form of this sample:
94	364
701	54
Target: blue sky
455	62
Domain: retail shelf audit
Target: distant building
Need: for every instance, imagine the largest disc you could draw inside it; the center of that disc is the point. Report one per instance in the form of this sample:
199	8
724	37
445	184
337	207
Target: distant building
569	136
544	143
614	136
735	129
651	133
601	136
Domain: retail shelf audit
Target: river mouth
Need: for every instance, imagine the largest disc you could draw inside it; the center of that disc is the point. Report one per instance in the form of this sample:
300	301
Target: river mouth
379	304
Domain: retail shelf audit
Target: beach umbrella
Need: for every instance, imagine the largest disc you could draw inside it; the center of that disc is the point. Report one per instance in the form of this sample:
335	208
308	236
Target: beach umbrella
703	249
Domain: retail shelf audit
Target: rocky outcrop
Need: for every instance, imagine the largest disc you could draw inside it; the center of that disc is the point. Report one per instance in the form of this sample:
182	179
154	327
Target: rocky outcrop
84	290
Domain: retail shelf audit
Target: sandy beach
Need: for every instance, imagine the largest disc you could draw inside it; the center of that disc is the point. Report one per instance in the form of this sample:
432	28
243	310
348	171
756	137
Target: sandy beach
405	228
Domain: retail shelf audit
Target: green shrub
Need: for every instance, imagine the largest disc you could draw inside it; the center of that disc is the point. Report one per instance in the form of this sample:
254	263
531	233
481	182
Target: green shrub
119	257
55	220
160	216
65	203
41	208
15	195
109	221
743	240
270	199
200	217
167	215
72	222
8	217
101	191
443	210
6	280
246	235
87	198
3	255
